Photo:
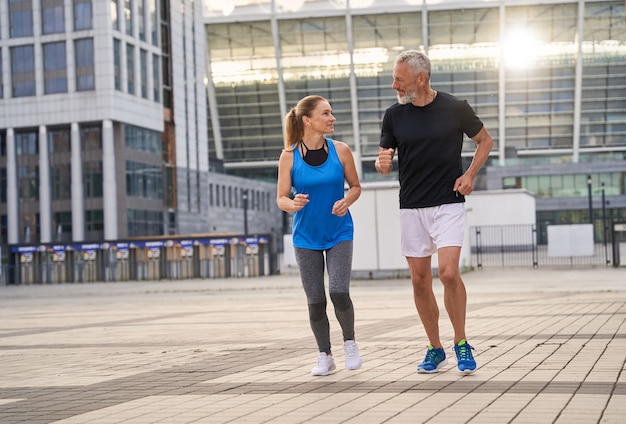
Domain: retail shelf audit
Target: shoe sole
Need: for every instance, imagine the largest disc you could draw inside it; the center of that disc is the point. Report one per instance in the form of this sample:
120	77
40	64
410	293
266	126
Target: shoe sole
319	374
467	372
439	366
354	368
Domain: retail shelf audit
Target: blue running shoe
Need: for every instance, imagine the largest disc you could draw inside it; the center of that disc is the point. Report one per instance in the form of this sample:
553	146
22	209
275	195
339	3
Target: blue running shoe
464	358
435	359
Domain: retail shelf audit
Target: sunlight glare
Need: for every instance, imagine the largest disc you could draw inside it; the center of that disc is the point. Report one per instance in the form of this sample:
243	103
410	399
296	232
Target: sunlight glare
519	49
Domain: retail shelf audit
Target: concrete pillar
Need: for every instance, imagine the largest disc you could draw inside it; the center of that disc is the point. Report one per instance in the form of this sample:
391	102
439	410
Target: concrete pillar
13	219
45	195
78	195
109	181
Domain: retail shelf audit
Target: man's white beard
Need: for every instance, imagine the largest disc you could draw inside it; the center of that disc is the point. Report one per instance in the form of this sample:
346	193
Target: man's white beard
406	99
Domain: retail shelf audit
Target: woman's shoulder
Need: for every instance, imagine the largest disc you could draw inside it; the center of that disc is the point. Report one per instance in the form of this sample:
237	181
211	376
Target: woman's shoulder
339	145
343	150
285	155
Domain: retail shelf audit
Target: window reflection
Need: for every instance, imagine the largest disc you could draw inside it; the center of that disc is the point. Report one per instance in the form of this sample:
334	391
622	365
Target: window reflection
52	17
538	87
55	69
84	59
23	70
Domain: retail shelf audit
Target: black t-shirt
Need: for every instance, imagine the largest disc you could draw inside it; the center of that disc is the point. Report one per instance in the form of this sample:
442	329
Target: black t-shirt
428	141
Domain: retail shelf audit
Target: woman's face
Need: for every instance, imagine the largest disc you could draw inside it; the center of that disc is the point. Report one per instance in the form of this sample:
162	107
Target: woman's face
322	119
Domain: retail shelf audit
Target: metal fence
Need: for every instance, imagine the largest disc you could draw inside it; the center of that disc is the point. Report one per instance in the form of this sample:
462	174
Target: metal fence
518	246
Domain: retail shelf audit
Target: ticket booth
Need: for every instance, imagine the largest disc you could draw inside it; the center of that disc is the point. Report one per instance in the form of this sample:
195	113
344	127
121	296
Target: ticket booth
264	256
24	264
220	258
90	261
252	257
145	260
140	260
123	261
57	267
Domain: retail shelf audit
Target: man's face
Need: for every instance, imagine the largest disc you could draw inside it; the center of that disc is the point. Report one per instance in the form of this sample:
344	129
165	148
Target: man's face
405	83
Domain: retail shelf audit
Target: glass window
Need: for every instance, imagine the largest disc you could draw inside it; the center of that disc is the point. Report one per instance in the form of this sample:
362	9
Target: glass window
3	144
602	111
115	22
141	20
540	89
94	221
92	179
130	68
156	81
604	21
84	59
143	66
62	226
300	61
144	180
82	15
52	16
128	15
117	63
1	78
141	139
28	181
26	143
91	139
27	149
154	23
55	68
61	181
21	18
167	86
23	71
59	140
144	222
3	192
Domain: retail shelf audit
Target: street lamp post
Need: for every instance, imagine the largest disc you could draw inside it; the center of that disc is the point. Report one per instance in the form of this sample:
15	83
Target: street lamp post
589	198
604	226
244	198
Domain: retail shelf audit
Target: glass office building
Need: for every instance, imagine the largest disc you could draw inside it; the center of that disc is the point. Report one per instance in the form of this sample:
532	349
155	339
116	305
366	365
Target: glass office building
548	79
102	119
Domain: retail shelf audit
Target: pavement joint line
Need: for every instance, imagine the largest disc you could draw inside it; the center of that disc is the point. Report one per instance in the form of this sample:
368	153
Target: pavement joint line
533	342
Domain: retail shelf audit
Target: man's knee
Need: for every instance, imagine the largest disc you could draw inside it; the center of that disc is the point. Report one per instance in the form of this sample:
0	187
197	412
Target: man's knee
449	275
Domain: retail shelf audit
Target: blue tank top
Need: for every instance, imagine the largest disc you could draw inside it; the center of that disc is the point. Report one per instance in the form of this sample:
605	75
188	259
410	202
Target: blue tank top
315	227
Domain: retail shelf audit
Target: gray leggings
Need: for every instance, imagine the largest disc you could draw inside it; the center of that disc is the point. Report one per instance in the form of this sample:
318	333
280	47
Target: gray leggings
339	265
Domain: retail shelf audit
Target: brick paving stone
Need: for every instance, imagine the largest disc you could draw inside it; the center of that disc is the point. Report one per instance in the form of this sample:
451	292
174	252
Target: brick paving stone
549	345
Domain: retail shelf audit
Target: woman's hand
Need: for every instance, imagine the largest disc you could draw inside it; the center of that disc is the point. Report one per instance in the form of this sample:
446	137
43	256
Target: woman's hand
299	201
340	208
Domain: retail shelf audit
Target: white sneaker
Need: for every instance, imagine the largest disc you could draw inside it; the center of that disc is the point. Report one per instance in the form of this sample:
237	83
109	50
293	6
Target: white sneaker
325	364
353	357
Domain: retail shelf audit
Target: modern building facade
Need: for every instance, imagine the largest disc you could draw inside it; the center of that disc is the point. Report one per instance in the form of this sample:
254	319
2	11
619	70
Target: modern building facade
547	78
121	118
102	120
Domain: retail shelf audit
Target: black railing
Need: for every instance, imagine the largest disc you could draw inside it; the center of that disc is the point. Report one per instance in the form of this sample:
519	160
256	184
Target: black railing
518	246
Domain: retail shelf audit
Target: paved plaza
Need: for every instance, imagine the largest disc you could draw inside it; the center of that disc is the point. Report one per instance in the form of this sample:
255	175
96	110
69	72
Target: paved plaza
550	346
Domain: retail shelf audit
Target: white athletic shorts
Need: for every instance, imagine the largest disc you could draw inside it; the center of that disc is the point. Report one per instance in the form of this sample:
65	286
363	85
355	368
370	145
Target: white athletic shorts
424	230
